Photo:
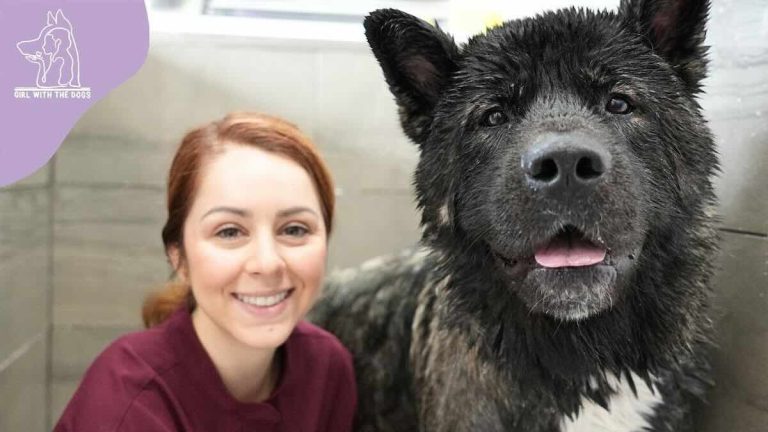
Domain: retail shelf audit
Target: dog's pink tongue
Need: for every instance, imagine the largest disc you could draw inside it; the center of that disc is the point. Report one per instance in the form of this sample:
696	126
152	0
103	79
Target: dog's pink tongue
561	252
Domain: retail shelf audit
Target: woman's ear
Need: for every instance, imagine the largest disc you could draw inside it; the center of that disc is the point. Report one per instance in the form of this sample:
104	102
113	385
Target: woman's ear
177	262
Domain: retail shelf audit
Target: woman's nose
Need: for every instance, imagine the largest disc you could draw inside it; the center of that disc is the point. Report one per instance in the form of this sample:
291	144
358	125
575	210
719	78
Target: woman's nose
264	257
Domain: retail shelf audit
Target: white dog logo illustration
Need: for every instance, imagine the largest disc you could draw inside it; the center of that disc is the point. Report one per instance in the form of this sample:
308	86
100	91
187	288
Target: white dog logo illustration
54	52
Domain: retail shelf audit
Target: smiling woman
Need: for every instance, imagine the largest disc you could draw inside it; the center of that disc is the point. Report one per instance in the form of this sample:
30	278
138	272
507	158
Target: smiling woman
250	208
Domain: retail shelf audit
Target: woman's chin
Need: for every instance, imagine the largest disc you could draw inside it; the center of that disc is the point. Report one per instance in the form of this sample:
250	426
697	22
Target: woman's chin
268	336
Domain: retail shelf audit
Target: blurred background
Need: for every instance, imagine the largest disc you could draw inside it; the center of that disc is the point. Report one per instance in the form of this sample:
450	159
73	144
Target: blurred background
80	239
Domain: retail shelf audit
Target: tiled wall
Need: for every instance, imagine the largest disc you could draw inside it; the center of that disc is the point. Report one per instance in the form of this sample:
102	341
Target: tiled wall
25	285
736	102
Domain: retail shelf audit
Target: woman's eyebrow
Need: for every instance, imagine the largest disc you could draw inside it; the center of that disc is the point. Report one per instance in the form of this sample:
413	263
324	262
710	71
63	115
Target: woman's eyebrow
293	210
246	213
238	211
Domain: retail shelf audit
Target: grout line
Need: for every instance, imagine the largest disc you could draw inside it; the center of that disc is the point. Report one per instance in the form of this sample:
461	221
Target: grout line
5	364
384	191
743	232
101	326
138	186
108	220
23	188
49	335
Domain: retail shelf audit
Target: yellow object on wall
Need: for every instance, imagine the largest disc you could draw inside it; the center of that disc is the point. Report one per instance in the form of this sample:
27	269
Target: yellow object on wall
467	18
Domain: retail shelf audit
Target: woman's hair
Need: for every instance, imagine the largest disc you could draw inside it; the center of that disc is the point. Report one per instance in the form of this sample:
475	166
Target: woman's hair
198	146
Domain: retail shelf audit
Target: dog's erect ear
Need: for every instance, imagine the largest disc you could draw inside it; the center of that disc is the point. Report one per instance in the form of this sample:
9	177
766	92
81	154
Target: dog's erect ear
675	29
417	59
51	20
62	20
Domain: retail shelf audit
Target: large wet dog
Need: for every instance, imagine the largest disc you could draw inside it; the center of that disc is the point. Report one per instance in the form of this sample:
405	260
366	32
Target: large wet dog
564	182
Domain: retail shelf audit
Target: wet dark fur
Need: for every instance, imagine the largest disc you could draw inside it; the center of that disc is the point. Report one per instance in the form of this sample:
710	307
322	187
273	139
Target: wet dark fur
450	337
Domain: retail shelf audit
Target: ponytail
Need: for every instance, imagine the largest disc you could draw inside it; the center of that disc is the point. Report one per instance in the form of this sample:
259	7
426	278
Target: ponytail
159	305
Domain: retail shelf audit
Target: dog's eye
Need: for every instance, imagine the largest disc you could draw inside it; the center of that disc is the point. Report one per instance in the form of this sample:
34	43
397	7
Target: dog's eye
618	105
494	117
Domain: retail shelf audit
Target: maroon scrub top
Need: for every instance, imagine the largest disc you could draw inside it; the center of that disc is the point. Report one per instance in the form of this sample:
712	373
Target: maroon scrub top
162	379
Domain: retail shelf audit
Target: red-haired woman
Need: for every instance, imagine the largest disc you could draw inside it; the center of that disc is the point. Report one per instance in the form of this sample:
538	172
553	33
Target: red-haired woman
250	208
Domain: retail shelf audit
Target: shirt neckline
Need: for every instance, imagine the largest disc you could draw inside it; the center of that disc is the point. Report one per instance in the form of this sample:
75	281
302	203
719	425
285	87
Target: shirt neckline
199	367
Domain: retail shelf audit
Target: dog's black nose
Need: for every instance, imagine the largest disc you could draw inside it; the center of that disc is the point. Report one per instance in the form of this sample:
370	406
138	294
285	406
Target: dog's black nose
565	162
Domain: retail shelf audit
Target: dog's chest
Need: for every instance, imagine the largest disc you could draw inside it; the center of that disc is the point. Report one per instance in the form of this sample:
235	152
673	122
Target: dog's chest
627	412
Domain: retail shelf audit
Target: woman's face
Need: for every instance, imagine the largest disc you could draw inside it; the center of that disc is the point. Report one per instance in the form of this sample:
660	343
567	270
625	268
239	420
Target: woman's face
255	245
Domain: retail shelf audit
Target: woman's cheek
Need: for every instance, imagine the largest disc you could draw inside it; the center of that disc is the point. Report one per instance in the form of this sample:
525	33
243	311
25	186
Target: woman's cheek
319	261
310	260
215	263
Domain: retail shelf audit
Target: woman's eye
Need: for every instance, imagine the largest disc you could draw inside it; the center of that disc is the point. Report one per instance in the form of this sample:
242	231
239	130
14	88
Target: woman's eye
494	117
228	233
619	104
296	231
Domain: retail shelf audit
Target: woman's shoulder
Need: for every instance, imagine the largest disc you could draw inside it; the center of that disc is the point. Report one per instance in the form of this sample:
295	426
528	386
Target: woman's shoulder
327	374
319	339
131	361
321	348
144	350
118	382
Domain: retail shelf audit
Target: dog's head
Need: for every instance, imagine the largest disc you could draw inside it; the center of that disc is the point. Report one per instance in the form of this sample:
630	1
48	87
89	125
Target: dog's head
48	42
561	154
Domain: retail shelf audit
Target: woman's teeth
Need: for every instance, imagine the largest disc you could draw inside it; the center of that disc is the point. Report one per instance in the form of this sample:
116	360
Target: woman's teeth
264	301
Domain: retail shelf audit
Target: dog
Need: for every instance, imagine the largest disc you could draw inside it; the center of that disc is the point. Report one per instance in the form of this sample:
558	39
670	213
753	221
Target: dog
564	183
55	53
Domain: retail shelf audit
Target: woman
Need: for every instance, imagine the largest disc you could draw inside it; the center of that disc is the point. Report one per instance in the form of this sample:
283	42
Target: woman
250	208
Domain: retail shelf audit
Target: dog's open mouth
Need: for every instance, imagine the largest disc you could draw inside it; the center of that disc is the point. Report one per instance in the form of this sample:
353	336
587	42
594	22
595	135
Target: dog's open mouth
569	248
568	276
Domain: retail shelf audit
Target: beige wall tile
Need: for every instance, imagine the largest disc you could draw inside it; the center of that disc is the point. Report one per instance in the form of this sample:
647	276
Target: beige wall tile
103	289
24	220
359	173
24	265
352	93
103	270
182	84
107	237
23	297
741	187
23	391
369	225
110	204
742	333
113	160
75	347
39	178
735	103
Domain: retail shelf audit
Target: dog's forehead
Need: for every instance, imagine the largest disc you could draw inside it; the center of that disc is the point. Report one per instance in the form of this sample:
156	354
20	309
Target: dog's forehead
547	38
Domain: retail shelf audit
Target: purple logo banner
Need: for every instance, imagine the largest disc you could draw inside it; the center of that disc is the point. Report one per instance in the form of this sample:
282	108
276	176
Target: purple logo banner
57	58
